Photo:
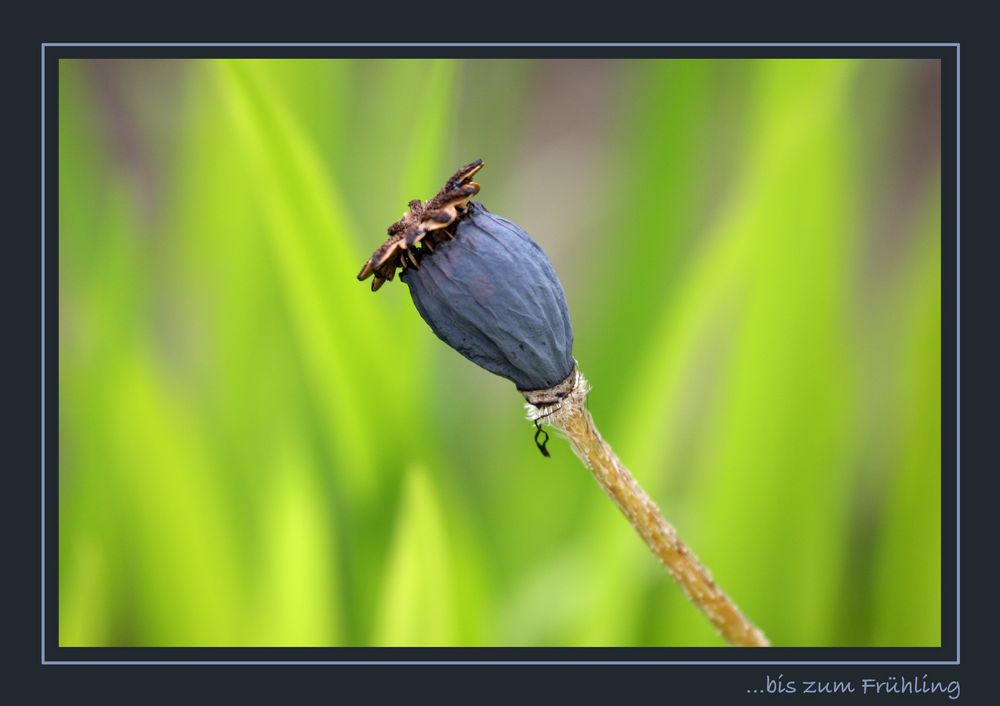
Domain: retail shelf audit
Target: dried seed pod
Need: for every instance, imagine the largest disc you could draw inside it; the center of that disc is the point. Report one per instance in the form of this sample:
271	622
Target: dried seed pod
488	291
492	295
482	285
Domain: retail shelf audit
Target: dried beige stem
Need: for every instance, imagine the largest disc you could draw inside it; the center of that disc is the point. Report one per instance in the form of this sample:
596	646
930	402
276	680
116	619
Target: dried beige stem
564	407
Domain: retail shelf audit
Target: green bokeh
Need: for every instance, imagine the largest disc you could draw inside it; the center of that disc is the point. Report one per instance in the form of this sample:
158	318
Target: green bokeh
256	450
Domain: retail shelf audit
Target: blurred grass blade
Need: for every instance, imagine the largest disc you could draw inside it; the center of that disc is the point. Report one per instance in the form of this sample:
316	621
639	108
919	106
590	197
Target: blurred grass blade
317	262
909	549
417	604
179	524
299	600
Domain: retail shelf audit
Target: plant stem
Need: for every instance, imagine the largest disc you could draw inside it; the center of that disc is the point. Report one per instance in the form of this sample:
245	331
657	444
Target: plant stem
564	407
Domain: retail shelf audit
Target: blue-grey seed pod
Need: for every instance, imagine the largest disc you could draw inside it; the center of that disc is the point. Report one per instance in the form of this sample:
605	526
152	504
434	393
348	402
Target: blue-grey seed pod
492	294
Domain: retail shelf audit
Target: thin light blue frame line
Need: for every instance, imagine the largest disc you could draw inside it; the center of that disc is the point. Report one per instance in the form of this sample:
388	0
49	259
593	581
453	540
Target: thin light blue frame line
492	44
43	353
958	353
958	329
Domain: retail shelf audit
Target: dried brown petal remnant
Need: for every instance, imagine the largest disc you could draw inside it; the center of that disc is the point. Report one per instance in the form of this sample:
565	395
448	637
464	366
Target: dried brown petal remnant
424	225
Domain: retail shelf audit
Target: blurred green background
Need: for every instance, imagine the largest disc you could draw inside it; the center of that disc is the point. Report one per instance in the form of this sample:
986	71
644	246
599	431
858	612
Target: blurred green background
257	450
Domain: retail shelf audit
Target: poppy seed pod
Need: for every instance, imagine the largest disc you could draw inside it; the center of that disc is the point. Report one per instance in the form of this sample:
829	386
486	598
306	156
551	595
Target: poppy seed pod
492	294
482	285
488	291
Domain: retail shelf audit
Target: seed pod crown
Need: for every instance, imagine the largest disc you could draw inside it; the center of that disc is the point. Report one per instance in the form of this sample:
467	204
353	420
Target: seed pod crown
422	226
